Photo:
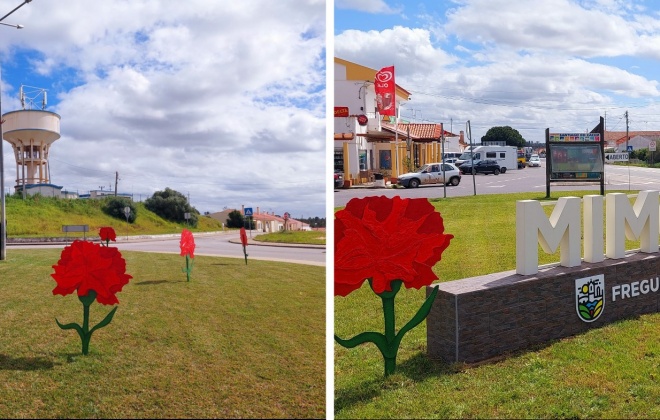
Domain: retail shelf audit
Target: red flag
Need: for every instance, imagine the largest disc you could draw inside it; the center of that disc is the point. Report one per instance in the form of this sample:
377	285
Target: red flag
385	91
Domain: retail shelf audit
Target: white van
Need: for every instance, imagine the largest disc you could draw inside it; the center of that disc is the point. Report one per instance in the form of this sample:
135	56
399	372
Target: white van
505	156
451	157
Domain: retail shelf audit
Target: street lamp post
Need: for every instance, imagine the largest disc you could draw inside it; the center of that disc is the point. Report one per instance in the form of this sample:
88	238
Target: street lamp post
3	215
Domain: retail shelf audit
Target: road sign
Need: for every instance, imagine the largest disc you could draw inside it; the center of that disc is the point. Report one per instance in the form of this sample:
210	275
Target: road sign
629	149
248	211
616	157
652	146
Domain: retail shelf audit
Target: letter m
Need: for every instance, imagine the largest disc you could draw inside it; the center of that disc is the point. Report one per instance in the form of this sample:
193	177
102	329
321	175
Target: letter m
638	222
561	230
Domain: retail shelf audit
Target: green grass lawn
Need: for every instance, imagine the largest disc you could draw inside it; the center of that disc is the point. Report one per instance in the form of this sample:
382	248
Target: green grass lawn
235	341
38	216
314	237
611	372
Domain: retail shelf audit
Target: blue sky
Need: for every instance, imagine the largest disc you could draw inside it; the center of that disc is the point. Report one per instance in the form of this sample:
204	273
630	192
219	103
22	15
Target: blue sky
531	65
188	95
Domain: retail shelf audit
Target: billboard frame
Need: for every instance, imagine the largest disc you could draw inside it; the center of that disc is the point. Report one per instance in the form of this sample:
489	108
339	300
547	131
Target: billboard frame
576	142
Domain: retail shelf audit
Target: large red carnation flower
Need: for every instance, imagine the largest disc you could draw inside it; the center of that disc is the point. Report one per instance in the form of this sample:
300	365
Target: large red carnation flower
386	239
187	243
107	234
85	266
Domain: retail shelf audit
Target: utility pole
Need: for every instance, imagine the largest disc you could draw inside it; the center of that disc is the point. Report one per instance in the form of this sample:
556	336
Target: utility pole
116	182
3	213
627	132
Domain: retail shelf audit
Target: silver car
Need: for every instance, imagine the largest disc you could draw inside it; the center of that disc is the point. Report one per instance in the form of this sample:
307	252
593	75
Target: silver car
534	160
431	174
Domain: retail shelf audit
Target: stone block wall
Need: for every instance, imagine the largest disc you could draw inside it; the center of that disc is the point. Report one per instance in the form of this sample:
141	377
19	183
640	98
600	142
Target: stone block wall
478	318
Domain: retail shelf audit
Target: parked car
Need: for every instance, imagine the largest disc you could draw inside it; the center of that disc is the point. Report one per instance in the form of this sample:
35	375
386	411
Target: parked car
534	161
431	173
339	179
486	166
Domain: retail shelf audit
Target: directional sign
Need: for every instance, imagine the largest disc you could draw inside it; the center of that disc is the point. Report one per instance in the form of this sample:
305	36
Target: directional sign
616	157
248	211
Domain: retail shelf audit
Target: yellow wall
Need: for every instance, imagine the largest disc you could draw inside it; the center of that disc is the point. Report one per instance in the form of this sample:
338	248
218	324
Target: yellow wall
357	72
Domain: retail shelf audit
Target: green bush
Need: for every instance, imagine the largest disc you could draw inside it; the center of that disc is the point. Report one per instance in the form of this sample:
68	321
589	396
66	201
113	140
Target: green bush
172	205
114	207
235	219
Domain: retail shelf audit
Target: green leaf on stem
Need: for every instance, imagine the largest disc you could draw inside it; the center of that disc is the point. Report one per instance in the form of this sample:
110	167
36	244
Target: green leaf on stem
106	321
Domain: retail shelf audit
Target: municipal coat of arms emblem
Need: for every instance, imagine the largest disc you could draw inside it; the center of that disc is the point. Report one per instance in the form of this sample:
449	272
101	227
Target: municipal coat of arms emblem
590	297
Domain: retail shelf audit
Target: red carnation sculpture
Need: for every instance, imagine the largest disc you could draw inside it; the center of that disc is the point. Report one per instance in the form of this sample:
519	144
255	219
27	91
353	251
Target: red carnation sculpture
107	234
389	242
96	273
244	242
187	245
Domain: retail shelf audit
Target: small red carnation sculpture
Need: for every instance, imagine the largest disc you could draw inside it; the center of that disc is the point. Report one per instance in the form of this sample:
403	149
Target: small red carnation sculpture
187	245
244	242
107	234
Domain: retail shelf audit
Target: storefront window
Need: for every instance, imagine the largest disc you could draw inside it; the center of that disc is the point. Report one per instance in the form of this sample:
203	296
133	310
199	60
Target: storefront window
339	160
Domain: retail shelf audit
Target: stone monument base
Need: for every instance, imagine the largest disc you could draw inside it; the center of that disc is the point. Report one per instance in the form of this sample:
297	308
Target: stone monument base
479	318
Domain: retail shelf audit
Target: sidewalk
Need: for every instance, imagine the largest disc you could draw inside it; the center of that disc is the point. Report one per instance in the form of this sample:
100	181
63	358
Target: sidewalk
371	184
278	244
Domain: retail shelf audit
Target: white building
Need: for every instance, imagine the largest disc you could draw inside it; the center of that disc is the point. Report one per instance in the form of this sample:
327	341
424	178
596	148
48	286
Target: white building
356	119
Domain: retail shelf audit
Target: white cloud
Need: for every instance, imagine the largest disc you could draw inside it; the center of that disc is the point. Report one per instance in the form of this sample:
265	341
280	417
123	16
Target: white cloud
371	6
224	100
529	65
410	50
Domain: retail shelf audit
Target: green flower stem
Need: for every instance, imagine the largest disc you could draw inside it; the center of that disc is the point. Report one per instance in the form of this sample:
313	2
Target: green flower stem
189	266
388	343
84	332
85	327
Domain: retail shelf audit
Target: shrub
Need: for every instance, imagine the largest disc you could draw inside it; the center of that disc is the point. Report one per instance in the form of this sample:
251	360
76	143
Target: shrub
172	205
114	207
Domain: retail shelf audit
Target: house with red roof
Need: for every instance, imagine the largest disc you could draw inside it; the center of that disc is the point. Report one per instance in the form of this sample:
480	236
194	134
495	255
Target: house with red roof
618	140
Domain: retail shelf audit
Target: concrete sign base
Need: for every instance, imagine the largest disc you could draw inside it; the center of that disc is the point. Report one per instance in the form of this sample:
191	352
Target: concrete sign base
479	318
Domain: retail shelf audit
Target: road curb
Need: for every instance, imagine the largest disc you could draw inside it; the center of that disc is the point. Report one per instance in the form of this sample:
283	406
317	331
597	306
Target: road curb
143	238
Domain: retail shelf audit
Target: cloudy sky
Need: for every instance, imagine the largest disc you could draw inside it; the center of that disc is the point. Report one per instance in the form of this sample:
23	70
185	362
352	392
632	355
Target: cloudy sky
531	65
223	101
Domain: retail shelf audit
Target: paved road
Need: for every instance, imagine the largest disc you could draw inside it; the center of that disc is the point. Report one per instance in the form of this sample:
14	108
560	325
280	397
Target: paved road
522	180
221	244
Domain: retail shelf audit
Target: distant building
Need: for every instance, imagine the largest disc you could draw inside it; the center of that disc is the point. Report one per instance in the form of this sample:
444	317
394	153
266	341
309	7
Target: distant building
616	140
97	194
264	221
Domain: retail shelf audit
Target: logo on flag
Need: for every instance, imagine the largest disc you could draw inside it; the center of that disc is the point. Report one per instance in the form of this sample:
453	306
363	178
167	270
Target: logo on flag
385	88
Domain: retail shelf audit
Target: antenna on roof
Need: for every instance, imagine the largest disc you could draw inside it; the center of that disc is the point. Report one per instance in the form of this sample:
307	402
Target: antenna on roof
30	96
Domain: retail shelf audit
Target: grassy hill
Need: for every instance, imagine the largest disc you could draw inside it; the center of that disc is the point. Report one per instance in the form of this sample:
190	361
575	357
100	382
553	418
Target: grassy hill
39	216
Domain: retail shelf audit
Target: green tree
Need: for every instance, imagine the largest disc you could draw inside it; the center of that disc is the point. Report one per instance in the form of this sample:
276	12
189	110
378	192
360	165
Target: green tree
172	205
114	207
235	219
510	136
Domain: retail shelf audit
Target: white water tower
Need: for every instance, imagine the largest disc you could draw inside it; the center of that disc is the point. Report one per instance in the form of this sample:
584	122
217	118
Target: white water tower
31	133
